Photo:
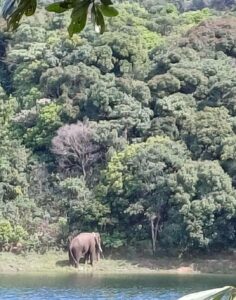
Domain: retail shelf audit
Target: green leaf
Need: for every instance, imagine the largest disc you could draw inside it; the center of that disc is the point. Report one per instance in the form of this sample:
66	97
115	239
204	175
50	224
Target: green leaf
59	7
30	9
108	11
26	7
106	2
79	17
99	20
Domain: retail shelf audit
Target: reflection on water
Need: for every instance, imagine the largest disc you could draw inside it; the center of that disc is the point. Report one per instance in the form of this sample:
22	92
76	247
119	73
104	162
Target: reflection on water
171	287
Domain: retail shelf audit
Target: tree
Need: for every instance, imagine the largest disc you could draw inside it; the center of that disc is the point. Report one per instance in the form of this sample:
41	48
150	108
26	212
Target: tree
46	122
203	207
126	108
76	149
83	211
137	186
214	34
205	132
15	204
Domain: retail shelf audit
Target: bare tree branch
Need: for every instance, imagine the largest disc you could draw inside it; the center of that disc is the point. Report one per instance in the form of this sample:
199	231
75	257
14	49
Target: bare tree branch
75	147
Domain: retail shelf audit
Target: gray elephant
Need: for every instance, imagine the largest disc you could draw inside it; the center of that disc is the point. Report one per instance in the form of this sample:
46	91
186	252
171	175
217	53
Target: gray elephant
85	245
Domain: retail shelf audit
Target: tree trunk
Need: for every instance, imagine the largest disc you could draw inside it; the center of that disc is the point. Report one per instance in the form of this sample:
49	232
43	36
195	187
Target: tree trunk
155	220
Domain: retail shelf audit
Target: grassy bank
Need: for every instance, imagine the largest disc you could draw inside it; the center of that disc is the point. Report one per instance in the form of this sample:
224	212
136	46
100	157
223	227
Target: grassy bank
58	262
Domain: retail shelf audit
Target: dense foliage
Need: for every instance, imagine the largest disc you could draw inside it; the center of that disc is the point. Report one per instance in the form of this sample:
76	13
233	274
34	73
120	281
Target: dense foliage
131	133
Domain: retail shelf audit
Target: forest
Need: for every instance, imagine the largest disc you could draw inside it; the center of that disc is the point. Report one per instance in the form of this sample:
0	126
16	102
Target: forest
131	133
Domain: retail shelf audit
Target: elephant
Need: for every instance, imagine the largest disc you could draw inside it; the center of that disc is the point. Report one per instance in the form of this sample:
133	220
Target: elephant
85	245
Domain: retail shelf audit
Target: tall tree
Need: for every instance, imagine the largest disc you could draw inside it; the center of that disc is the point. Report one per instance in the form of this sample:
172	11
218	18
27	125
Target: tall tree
76	148
137	185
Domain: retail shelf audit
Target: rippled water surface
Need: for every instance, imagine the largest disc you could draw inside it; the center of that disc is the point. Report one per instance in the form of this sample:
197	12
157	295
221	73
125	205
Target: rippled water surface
39	287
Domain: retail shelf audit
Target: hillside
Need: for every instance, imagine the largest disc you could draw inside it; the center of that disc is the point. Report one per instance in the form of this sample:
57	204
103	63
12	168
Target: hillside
131	133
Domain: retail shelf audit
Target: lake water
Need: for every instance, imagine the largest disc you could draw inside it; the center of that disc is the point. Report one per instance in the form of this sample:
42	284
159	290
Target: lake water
73	286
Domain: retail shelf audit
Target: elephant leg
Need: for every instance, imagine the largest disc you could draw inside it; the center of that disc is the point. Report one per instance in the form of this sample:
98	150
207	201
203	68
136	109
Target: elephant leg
77	255
99	252
93	256
98	255
86	257
71	260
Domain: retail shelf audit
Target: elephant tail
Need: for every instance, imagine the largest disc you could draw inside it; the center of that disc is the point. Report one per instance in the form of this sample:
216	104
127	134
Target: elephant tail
72	255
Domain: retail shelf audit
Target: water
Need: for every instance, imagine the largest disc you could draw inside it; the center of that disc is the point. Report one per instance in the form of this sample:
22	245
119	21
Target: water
74	287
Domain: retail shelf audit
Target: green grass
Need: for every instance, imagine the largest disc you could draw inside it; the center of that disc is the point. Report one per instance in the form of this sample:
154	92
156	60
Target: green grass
57	262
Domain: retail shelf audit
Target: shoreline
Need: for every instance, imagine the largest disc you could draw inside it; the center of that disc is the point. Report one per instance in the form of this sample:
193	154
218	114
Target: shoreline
57	262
